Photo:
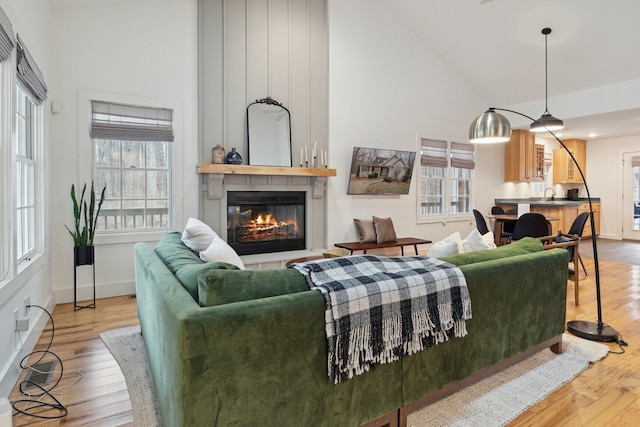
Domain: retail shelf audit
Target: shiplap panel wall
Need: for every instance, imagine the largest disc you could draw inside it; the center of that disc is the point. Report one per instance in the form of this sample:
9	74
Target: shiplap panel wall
252	49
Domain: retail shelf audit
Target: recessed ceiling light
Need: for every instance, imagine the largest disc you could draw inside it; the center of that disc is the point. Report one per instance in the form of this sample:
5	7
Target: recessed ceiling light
592	135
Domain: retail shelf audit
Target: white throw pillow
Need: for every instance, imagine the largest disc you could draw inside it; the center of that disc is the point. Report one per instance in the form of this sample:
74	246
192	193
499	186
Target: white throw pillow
455	237
477	242
441	249
450	245
197	235
220	251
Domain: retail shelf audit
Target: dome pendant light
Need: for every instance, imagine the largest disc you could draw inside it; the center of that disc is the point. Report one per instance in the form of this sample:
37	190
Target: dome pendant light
546	121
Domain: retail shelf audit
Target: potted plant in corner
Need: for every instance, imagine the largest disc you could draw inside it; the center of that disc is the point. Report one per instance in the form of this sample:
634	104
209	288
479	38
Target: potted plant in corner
86	219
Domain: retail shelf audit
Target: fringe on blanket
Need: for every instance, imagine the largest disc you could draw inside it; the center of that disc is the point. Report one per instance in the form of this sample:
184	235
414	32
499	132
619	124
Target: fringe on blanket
361	356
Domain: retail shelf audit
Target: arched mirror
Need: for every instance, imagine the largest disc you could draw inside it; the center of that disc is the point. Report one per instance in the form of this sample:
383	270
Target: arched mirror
269	133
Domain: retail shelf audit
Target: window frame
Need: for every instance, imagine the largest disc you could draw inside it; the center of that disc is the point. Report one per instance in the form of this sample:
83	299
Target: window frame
448	180
6	170
86	160
36	132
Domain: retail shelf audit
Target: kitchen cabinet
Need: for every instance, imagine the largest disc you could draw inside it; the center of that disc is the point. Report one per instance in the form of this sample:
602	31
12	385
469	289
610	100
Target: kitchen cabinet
523	158
564	169
596	218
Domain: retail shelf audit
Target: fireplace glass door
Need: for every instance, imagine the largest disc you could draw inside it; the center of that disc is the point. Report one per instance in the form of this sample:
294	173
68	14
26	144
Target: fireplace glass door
265	221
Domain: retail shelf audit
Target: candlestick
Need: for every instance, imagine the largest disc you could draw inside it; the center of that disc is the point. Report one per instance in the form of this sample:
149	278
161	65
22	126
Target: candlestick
306	154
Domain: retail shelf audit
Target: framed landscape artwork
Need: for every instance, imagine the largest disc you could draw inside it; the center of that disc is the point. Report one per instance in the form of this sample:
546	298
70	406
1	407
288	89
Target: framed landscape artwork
377	171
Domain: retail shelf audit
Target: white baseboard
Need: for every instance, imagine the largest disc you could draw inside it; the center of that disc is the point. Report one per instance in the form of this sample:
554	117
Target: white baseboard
104	290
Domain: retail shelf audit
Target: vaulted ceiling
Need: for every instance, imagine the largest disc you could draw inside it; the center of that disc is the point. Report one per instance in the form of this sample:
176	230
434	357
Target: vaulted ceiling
497	45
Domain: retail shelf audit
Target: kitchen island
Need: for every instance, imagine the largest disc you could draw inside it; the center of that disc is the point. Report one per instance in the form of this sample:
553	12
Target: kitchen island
565	209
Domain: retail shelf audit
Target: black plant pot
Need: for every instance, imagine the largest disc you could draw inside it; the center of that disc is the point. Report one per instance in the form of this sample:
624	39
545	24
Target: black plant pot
83	255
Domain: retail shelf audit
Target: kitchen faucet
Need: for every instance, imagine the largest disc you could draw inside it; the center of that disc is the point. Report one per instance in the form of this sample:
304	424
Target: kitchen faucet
544	196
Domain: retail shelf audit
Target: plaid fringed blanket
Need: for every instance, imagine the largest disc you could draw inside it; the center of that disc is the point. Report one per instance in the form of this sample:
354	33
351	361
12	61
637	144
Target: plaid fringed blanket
379	309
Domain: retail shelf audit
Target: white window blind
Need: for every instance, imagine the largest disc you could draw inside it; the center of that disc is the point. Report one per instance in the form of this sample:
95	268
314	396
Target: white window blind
462	155
7	38
131	122
29	75
433	152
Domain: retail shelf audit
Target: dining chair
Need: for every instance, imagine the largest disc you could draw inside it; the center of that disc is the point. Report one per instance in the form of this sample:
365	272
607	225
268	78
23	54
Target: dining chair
509	225
577	228
569	242
481	224
531	225
497	210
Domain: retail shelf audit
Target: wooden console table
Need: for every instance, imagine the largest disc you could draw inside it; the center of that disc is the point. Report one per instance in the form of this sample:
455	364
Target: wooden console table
401	243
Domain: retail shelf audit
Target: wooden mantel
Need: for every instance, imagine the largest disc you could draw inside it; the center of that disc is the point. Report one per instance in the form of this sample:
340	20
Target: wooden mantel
226	169
218	171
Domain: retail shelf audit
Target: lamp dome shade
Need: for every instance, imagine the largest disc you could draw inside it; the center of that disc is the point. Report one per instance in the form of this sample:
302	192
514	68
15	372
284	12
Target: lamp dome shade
546	122
489	128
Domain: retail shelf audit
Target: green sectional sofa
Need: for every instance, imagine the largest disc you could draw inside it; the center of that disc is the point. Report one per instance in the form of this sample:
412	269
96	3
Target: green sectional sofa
232	347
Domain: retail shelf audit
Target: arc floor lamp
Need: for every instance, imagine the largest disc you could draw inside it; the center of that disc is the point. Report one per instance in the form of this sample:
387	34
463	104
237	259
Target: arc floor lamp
493	127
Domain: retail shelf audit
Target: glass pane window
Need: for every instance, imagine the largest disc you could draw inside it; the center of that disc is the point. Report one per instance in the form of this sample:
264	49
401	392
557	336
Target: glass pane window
432	181
25	177
461	190
137	178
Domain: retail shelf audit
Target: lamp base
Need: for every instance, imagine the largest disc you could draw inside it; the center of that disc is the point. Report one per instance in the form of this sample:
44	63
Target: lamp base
592	331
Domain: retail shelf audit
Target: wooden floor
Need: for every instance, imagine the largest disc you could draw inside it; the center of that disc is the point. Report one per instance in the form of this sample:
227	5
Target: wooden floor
606	394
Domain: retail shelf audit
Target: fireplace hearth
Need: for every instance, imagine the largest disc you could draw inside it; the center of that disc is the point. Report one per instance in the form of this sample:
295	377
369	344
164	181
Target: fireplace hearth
265	221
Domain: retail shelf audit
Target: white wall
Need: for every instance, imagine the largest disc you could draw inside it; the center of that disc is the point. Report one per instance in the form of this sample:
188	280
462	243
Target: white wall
30	19
604	165
385	87
142	50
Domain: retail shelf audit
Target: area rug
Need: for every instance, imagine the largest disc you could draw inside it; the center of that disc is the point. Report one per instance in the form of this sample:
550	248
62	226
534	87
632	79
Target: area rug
127	347
493	401
499	399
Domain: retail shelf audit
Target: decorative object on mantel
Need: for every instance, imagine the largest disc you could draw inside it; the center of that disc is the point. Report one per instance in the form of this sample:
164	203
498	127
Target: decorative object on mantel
315	162
217	155
268	133
86	219
233	157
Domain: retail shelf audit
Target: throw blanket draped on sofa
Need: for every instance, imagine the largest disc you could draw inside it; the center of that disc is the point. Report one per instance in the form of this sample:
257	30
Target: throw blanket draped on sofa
379	309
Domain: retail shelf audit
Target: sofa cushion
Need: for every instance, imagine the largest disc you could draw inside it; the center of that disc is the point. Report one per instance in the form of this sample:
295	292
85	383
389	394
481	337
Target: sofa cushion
365	230
522	246
220	251
174	253
217	287
444	247
188	274
478	242
385	232
197	235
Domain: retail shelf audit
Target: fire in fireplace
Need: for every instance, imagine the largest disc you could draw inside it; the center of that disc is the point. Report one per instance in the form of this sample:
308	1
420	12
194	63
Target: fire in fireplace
265	221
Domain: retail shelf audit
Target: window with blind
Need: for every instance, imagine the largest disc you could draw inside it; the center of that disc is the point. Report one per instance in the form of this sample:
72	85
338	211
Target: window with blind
31	92
446	179
132	159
